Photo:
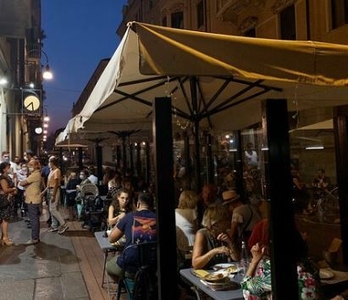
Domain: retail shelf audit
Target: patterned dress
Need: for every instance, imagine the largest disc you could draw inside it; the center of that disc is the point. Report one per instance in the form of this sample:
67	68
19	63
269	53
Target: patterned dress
259	287
5	213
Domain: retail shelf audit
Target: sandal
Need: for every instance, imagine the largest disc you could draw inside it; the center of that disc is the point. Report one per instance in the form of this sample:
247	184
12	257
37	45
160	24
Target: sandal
7	242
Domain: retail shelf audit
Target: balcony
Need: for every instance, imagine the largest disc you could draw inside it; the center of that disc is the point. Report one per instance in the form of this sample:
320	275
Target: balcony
229	10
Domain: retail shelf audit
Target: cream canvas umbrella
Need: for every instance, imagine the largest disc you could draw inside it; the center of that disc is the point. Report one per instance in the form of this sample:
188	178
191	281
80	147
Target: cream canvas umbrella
232	76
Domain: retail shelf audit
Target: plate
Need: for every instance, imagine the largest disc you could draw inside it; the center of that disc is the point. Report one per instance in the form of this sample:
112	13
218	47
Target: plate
326	274
227	267
216	277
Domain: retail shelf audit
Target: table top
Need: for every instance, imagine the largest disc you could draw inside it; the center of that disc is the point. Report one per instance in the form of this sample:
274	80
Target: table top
216	295
103	241
338	277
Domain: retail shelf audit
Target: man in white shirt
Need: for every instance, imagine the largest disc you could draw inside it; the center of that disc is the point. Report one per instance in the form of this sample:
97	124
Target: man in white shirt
251	158
93	179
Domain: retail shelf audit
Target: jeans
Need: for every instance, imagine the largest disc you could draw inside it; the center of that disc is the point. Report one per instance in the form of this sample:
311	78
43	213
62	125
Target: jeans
34	217
55	214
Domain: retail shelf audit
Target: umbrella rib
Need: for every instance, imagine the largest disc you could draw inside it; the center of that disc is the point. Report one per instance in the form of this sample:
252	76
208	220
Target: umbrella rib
240	93
188	116
248	83
205	107
143	80
215	111
218	92
134	95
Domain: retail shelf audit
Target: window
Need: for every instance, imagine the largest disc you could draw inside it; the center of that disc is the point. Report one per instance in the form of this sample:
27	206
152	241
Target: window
288	24
339	9
177	20
200	14
250	33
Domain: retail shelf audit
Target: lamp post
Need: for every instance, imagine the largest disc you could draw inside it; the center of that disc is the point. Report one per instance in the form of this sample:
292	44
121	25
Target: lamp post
46	70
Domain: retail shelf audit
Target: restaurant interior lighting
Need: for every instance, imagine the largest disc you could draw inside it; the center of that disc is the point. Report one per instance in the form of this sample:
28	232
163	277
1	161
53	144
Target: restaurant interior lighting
3	81
314	147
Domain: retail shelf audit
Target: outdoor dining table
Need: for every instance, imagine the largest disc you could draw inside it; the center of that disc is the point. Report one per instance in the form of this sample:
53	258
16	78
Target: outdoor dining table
198	285
107	248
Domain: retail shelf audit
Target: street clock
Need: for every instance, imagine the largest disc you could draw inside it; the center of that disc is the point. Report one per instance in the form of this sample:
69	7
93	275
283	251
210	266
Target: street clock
31	103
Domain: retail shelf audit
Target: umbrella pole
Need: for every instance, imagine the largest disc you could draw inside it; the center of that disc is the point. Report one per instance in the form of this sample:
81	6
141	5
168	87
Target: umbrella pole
124	155
165	203
80	158
193	87
187	155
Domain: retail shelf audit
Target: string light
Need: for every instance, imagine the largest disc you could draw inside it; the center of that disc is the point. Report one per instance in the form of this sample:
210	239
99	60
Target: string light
181	124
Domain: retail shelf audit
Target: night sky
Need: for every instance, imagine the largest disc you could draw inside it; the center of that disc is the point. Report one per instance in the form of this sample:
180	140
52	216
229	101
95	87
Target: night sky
79	33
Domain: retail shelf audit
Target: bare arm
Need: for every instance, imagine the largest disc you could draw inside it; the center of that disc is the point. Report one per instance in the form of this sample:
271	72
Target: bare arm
201	259
24	183
111	219
6	188
234	230
115	235
257	254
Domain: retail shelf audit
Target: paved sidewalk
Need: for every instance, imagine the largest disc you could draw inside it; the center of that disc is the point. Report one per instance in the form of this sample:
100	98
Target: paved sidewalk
48	270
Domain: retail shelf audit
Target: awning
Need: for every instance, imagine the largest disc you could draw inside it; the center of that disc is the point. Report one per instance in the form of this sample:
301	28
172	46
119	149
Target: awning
231	79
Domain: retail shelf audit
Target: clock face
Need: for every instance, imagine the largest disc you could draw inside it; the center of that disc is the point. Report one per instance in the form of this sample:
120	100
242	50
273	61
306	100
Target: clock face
31	103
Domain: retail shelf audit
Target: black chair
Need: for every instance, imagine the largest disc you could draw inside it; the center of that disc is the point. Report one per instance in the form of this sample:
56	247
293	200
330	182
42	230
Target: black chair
146	254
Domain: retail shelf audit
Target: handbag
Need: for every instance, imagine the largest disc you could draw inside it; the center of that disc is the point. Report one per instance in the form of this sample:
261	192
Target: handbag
4	201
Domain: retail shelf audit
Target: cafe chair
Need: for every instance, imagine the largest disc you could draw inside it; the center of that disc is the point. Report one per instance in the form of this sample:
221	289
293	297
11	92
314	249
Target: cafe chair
146	260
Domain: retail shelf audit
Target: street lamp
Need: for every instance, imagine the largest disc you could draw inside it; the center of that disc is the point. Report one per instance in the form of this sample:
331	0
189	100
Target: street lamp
47	73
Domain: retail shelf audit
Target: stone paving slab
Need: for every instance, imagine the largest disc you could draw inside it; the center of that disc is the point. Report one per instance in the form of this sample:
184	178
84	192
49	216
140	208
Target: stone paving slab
48	270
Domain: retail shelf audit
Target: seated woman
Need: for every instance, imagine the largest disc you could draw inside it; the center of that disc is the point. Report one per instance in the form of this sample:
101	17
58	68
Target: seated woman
117	210
212	243
186	226
256	283
186	217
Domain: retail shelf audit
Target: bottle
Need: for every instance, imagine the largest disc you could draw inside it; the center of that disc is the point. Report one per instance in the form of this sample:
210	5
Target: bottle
244	260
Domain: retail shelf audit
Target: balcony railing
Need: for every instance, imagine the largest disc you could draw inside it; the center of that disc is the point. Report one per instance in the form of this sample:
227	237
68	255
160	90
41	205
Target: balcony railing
228	10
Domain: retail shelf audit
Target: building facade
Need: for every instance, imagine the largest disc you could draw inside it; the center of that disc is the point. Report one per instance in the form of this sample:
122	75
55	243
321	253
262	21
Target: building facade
279	19
22	95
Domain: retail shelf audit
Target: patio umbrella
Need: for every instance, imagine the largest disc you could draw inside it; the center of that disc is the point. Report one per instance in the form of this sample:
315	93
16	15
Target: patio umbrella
230	72
216	82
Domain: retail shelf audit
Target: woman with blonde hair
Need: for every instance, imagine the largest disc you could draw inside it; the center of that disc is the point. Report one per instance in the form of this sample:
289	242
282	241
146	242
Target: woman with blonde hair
186	219
212	242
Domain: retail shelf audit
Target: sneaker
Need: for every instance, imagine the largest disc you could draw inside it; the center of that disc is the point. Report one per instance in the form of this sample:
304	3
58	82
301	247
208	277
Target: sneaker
63	228
32	242
52	229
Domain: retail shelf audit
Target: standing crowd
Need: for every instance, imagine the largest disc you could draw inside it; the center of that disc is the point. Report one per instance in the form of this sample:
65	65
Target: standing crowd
24	185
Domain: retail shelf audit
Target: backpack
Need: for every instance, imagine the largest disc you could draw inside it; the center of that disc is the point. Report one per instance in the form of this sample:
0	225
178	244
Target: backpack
145	284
